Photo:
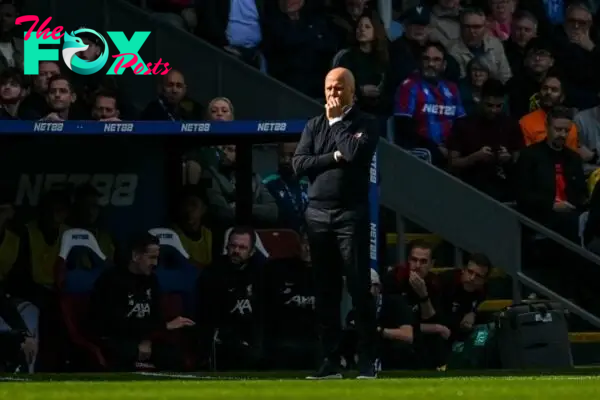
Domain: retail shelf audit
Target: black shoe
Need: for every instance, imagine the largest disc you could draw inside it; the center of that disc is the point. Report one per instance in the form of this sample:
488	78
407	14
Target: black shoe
327	371
369	370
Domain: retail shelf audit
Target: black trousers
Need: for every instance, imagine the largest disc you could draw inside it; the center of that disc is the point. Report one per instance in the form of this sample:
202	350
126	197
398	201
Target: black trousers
339	246
122	355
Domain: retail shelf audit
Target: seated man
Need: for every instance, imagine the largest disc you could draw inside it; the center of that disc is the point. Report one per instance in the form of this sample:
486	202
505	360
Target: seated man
291	335
125	312
231	306
395	327
551	187
462	292
421	290
18	341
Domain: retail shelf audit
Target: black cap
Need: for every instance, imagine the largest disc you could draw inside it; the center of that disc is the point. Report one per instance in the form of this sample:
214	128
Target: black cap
417	16
538	44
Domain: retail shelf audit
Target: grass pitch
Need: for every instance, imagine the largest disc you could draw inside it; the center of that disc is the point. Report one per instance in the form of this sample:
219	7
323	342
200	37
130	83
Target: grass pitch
163	386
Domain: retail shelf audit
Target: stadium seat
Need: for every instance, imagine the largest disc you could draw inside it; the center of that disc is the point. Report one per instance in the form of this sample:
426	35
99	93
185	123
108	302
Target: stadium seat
74	286
176	274
280	243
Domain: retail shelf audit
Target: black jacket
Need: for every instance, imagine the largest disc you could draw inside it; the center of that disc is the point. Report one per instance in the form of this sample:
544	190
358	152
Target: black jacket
344	184
536	179
231	300
124	305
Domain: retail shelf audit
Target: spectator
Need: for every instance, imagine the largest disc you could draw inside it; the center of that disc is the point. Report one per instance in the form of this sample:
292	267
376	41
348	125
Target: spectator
231	305
524	88
106	106
125	312
368	60
427	105
346	19
86	215
406	51
475	41
12	92
463	290
299	48
484	146
588	127
235	26
222	192
470	86
179	13
288	190
420	289
11	46
172	103
577	55
35	105
291	335
524	28
394	325
550	181
445	24
198	159
220	109
500	19
196	237
534	124
61	99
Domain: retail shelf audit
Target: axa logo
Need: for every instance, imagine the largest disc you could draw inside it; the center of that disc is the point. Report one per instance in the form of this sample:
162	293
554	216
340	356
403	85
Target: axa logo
73	47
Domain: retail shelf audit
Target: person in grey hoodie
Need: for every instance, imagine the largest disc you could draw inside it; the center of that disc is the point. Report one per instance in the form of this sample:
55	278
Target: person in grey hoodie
222	191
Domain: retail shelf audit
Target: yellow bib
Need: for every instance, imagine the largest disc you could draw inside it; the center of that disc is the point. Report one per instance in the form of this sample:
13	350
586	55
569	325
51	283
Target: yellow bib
43	256
592	180
200	251
9	251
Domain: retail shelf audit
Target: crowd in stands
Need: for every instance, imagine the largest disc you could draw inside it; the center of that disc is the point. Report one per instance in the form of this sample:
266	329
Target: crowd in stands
502	93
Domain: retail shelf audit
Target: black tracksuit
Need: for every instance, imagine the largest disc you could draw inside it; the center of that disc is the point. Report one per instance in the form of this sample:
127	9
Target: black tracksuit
125	310
230	303
10	341
338	222
290	337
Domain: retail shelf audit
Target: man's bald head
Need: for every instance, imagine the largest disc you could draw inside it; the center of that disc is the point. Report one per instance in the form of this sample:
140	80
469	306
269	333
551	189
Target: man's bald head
173	87
339	83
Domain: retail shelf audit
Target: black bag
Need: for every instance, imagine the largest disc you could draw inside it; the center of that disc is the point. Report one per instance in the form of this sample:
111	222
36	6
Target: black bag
478	351
534	335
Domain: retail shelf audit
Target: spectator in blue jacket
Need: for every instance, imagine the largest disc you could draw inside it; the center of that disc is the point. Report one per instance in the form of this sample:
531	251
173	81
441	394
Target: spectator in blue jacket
288	190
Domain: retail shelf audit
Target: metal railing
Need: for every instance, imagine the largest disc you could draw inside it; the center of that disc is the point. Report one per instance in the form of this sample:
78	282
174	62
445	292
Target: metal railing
465	217
209	71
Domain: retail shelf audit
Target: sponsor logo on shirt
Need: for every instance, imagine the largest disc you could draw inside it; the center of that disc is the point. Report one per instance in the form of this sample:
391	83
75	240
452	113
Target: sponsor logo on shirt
437	109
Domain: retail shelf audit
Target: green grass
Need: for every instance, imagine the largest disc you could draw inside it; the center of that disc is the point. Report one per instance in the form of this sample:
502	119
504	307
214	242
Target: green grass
196	387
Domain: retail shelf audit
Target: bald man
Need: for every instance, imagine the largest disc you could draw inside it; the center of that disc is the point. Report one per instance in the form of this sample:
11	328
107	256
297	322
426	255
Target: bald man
335	153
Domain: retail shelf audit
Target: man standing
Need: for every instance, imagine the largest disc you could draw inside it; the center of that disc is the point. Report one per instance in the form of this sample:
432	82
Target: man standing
334	153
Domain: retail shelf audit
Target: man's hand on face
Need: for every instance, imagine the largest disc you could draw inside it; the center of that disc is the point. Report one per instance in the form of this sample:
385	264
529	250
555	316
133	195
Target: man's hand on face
333	108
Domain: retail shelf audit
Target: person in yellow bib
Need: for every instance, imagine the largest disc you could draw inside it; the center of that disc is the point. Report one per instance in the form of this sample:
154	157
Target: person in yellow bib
41	240
196	237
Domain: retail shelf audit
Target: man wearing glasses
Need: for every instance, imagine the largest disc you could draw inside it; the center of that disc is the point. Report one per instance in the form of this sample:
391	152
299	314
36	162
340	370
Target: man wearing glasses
475	41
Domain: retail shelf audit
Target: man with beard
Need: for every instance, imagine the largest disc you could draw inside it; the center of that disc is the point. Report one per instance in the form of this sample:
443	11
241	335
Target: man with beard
230	305
60	99
288	190
483	146
35	106
551	185
427	106
125	312
172	103
534	125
